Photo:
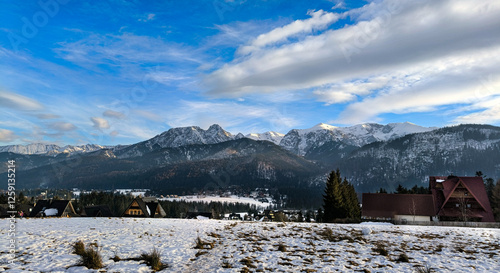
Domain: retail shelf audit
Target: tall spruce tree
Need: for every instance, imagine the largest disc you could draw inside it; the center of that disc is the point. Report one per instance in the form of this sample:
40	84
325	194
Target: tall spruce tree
332	199
340	200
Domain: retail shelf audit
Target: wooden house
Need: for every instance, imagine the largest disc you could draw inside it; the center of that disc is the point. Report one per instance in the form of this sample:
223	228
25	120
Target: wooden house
460	199
147	207
452	198
53	208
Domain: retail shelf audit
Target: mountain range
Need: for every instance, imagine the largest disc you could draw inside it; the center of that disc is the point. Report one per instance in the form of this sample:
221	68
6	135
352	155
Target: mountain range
189	159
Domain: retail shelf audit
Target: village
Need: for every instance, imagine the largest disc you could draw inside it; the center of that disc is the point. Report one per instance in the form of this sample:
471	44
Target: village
450	201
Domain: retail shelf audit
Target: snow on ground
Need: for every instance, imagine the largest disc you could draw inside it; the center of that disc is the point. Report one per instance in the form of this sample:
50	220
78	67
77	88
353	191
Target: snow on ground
216	198
44	245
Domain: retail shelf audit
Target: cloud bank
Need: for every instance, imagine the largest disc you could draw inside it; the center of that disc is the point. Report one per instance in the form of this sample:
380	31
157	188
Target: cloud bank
397	57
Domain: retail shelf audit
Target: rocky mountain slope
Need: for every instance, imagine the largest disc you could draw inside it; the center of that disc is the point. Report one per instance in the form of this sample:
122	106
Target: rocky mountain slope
409	160
188	158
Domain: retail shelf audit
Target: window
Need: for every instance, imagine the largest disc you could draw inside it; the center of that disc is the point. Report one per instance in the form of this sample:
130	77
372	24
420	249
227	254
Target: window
457	205
469	206
466	193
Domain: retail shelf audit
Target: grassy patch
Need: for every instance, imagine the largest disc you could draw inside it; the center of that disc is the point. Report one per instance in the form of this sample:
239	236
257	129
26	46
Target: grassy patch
282	247
248	262
200	244
424	269
403	258
226	264
380	249
79	248
153	259
89	257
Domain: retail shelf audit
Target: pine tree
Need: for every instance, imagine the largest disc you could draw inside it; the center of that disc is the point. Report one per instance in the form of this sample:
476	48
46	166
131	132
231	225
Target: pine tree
495	201
340	200
489	185
354	209
332	198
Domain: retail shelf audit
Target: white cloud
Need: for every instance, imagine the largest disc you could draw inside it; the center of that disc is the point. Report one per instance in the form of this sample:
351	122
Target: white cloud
489	113
47	116
7	135
113	114
428	53
61	126
100	123
319	20
147	18
18	102
123	49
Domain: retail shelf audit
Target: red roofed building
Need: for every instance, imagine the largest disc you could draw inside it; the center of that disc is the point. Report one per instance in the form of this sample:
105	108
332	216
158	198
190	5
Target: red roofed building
452	199
460	198
400	207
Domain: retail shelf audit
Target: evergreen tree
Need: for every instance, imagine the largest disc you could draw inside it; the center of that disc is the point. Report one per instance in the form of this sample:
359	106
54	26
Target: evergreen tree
300	217
332	198
382	190
319	216
495	201
354	211
401	190
489	185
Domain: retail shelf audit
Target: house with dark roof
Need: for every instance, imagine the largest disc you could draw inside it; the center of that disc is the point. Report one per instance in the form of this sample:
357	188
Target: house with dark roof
452	198
144	207
460	199
53	208
97	211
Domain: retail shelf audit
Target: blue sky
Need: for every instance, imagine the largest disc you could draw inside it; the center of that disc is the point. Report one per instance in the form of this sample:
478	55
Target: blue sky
119	72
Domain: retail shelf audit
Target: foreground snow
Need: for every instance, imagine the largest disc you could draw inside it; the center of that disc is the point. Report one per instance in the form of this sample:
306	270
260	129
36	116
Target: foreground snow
44	245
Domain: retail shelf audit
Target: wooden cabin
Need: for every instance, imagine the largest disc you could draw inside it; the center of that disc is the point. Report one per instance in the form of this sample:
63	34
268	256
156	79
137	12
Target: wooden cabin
147	207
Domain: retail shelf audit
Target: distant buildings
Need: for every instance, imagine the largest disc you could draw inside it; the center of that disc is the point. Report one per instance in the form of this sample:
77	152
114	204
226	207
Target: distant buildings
144	207
53	208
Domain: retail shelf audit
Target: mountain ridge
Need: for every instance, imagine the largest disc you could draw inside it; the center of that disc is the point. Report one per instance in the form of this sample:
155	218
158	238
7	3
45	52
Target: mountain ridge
181	136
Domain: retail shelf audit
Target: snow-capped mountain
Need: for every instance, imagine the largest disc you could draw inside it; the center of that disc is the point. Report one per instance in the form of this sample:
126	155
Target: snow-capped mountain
273	137
50	149
370	156
178	137
301	141
460	150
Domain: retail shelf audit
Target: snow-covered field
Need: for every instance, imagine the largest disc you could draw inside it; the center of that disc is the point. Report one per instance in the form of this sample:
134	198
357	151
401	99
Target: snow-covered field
45	245
213	198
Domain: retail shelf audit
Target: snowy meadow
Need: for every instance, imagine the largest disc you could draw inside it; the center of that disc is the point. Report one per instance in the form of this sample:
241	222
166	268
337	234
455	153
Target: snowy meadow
46	245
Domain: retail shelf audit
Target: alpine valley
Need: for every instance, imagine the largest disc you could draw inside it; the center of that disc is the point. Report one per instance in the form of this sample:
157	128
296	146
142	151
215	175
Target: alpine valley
190	159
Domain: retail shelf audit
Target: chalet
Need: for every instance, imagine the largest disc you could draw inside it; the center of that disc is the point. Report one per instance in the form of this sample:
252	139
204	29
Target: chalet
147	207
55	208
460	199
97	211
452	198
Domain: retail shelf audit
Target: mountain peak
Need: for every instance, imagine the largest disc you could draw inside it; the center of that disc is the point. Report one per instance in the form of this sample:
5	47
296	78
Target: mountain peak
271	136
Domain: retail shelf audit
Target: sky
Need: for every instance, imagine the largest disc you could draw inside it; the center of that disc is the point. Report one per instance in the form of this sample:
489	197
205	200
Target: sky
122	71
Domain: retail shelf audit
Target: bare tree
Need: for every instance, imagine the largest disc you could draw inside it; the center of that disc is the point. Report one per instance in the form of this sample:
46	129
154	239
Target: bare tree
413	208
463	204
